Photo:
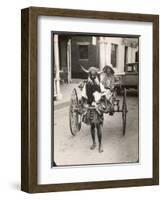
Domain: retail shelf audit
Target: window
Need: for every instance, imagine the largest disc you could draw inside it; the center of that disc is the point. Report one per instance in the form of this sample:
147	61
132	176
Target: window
126	55
83	51
136	56
114	48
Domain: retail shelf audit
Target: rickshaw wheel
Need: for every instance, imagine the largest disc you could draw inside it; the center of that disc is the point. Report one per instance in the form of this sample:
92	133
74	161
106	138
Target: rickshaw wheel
124	111
74	116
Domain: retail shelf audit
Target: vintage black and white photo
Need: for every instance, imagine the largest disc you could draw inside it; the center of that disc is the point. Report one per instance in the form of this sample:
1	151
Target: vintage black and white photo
95	99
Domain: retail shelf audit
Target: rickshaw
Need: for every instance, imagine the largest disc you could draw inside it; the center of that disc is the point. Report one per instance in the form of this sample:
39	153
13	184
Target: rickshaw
76	109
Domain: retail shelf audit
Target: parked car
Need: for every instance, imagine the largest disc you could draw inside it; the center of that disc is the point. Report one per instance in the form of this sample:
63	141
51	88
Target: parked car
130	78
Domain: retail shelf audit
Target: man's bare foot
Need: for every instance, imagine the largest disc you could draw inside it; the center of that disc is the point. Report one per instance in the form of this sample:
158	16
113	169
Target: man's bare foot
100	150
93	146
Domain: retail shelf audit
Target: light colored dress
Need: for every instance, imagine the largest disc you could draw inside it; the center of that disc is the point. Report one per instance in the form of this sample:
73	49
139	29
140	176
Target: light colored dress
108	81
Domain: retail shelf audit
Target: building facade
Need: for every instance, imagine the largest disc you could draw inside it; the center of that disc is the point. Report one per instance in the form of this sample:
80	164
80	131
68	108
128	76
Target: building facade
70	52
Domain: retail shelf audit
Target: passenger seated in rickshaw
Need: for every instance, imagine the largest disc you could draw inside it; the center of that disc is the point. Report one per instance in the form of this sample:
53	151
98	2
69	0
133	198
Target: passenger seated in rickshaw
108	81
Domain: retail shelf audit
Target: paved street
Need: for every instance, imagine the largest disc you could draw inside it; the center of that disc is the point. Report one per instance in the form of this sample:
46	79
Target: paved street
75	150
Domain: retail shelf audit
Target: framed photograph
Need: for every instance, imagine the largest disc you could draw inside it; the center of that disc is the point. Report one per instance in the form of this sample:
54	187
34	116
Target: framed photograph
90	99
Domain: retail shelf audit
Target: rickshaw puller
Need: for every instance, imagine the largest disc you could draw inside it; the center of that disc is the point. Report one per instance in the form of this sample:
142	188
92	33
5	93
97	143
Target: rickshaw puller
93	117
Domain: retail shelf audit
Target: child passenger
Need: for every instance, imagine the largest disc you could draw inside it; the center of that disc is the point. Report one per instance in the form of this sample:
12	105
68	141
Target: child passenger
108	81
108	78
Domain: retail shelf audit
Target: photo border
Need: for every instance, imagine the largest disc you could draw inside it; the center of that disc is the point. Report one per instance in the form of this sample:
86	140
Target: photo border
69	33
29	137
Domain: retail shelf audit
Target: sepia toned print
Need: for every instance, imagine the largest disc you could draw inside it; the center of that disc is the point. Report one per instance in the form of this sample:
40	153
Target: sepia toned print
95	99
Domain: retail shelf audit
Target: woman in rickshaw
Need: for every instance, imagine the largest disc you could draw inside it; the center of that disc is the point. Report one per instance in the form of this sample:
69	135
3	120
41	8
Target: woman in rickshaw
108	81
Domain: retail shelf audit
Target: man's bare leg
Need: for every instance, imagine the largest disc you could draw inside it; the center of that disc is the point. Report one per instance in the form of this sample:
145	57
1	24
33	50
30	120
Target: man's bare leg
93	137
99	134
